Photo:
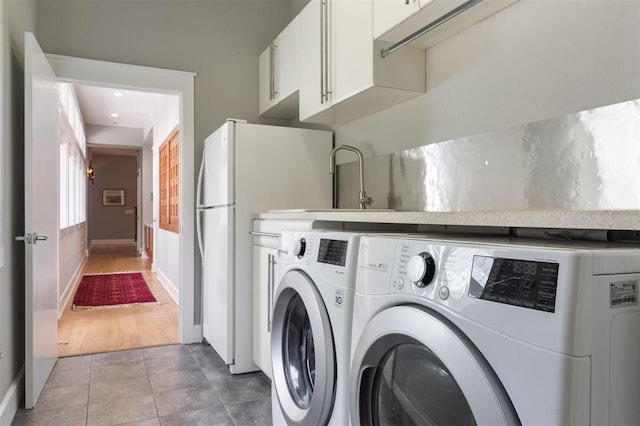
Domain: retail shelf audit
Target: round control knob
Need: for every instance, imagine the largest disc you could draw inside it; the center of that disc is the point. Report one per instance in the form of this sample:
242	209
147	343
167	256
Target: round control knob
299	247
421	269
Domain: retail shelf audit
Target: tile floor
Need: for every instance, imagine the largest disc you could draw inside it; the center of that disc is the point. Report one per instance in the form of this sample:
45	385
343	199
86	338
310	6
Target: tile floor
164	385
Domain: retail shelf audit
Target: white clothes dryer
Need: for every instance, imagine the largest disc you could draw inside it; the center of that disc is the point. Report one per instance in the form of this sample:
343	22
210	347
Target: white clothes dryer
311	327
454	331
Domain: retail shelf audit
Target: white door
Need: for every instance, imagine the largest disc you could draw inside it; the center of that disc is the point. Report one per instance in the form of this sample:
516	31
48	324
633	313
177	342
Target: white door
41	225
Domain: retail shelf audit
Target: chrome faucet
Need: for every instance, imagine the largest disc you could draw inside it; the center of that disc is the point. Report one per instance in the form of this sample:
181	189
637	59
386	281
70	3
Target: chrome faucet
364	200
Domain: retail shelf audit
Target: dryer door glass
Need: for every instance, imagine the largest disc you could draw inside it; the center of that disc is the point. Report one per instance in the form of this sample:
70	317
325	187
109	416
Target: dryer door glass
299	353
413	387
411	365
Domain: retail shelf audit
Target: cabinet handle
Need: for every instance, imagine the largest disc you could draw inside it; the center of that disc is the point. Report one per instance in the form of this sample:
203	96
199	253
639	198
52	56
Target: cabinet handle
275	65
271	71
322	6
271	271
264	234
268	293
326	50
430	26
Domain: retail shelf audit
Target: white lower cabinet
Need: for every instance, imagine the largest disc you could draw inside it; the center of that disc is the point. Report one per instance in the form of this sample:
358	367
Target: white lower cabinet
264	263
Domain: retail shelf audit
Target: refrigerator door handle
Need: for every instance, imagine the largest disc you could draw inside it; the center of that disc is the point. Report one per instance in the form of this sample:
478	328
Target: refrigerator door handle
218	206
199	186
199	232
198	210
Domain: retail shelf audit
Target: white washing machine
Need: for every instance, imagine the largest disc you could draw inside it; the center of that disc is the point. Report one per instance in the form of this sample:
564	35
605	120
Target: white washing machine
311	327
495	332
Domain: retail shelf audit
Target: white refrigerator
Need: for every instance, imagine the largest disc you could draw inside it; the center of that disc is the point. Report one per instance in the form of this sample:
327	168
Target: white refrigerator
248	169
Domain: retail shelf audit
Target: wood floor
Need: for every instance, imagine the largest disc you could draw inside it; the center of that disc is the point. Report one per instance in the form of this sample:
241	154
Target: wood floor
104	330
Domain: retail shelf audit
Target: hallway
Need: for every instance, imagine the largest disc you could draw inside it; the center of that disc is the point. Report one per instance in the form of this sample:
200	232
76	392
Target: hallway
91	331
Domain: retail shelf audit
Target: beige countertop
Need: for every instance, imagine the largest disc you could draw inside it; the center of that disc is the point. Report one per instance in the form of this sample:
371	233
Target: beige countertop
583	219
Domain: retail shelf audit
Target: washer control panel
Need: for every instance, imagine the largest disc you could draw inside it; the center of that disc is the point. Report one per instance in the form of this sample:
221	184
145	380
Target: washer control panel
530	284
299	247
421	268
333	252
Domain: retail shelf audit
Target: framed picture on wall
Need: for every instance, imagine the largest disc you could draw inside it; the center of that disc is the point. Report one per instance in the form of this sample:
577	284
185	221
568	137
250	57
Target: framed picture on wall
113	197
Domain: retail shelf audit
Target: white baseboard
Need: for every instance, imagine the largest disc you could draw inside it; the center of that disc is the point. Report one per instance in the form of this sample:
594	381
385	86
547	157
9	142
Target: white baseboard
114	242
11	400
68	291
169	286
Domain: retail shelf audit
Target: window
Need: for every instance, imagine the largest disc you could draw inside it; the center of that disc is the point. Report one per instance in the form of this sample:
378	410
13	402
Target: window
169	169
72	160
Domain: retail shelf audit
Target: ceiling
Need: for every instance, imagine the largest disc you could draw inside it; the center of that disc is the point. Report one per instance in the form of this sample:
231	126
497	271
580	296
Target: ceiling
134	109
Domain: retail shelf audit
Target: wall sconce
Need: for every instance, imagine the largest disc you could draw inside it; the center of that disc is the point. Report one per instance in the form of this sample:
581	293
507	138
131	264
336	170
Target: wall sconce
90	172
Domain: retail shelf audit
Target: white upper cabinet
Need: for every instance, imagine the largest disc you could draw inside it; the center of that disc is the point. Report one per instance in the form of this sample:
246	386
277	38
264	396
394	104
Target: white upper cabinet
394	20
313	66
389	13
278	68
342	74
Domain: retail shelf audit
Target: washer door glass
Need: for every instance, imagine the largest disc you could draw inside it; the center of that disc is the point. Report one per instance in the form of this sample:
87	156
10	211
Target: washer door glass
413	387
302	351
300	359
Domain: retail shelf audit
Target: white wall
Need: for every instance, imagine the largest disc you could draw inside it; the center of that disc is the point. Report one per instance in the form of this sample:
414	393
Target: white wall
165	117
72	243
15	18
533	60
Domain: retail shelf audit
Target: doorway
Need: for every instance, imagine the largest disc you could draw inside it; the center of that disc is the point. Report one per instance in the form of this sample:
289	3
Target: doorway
129	77
114	244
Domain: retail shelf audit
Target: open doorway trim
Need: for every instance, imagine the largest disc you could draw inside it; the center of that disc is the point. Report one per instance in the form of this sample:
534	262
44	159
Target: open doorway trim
134	77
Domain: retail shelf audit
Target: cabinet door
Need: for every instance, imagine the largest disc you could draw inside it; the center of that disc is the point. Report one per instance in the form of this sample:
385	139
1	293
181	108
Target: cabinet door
278	75
311	66
286	57
351	48
389	13
263	288
343	33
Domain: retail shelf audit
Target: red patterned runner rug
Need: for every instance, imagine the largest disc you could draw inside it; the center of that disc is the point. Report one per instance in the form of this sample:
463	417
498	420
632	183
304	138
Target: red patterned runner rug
112	291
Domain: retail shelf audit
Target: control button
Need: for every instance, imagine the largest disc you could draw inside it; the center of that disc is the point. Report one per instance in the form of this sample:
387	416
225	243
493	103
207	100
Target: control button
421	269
299	247
444	293
400	283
